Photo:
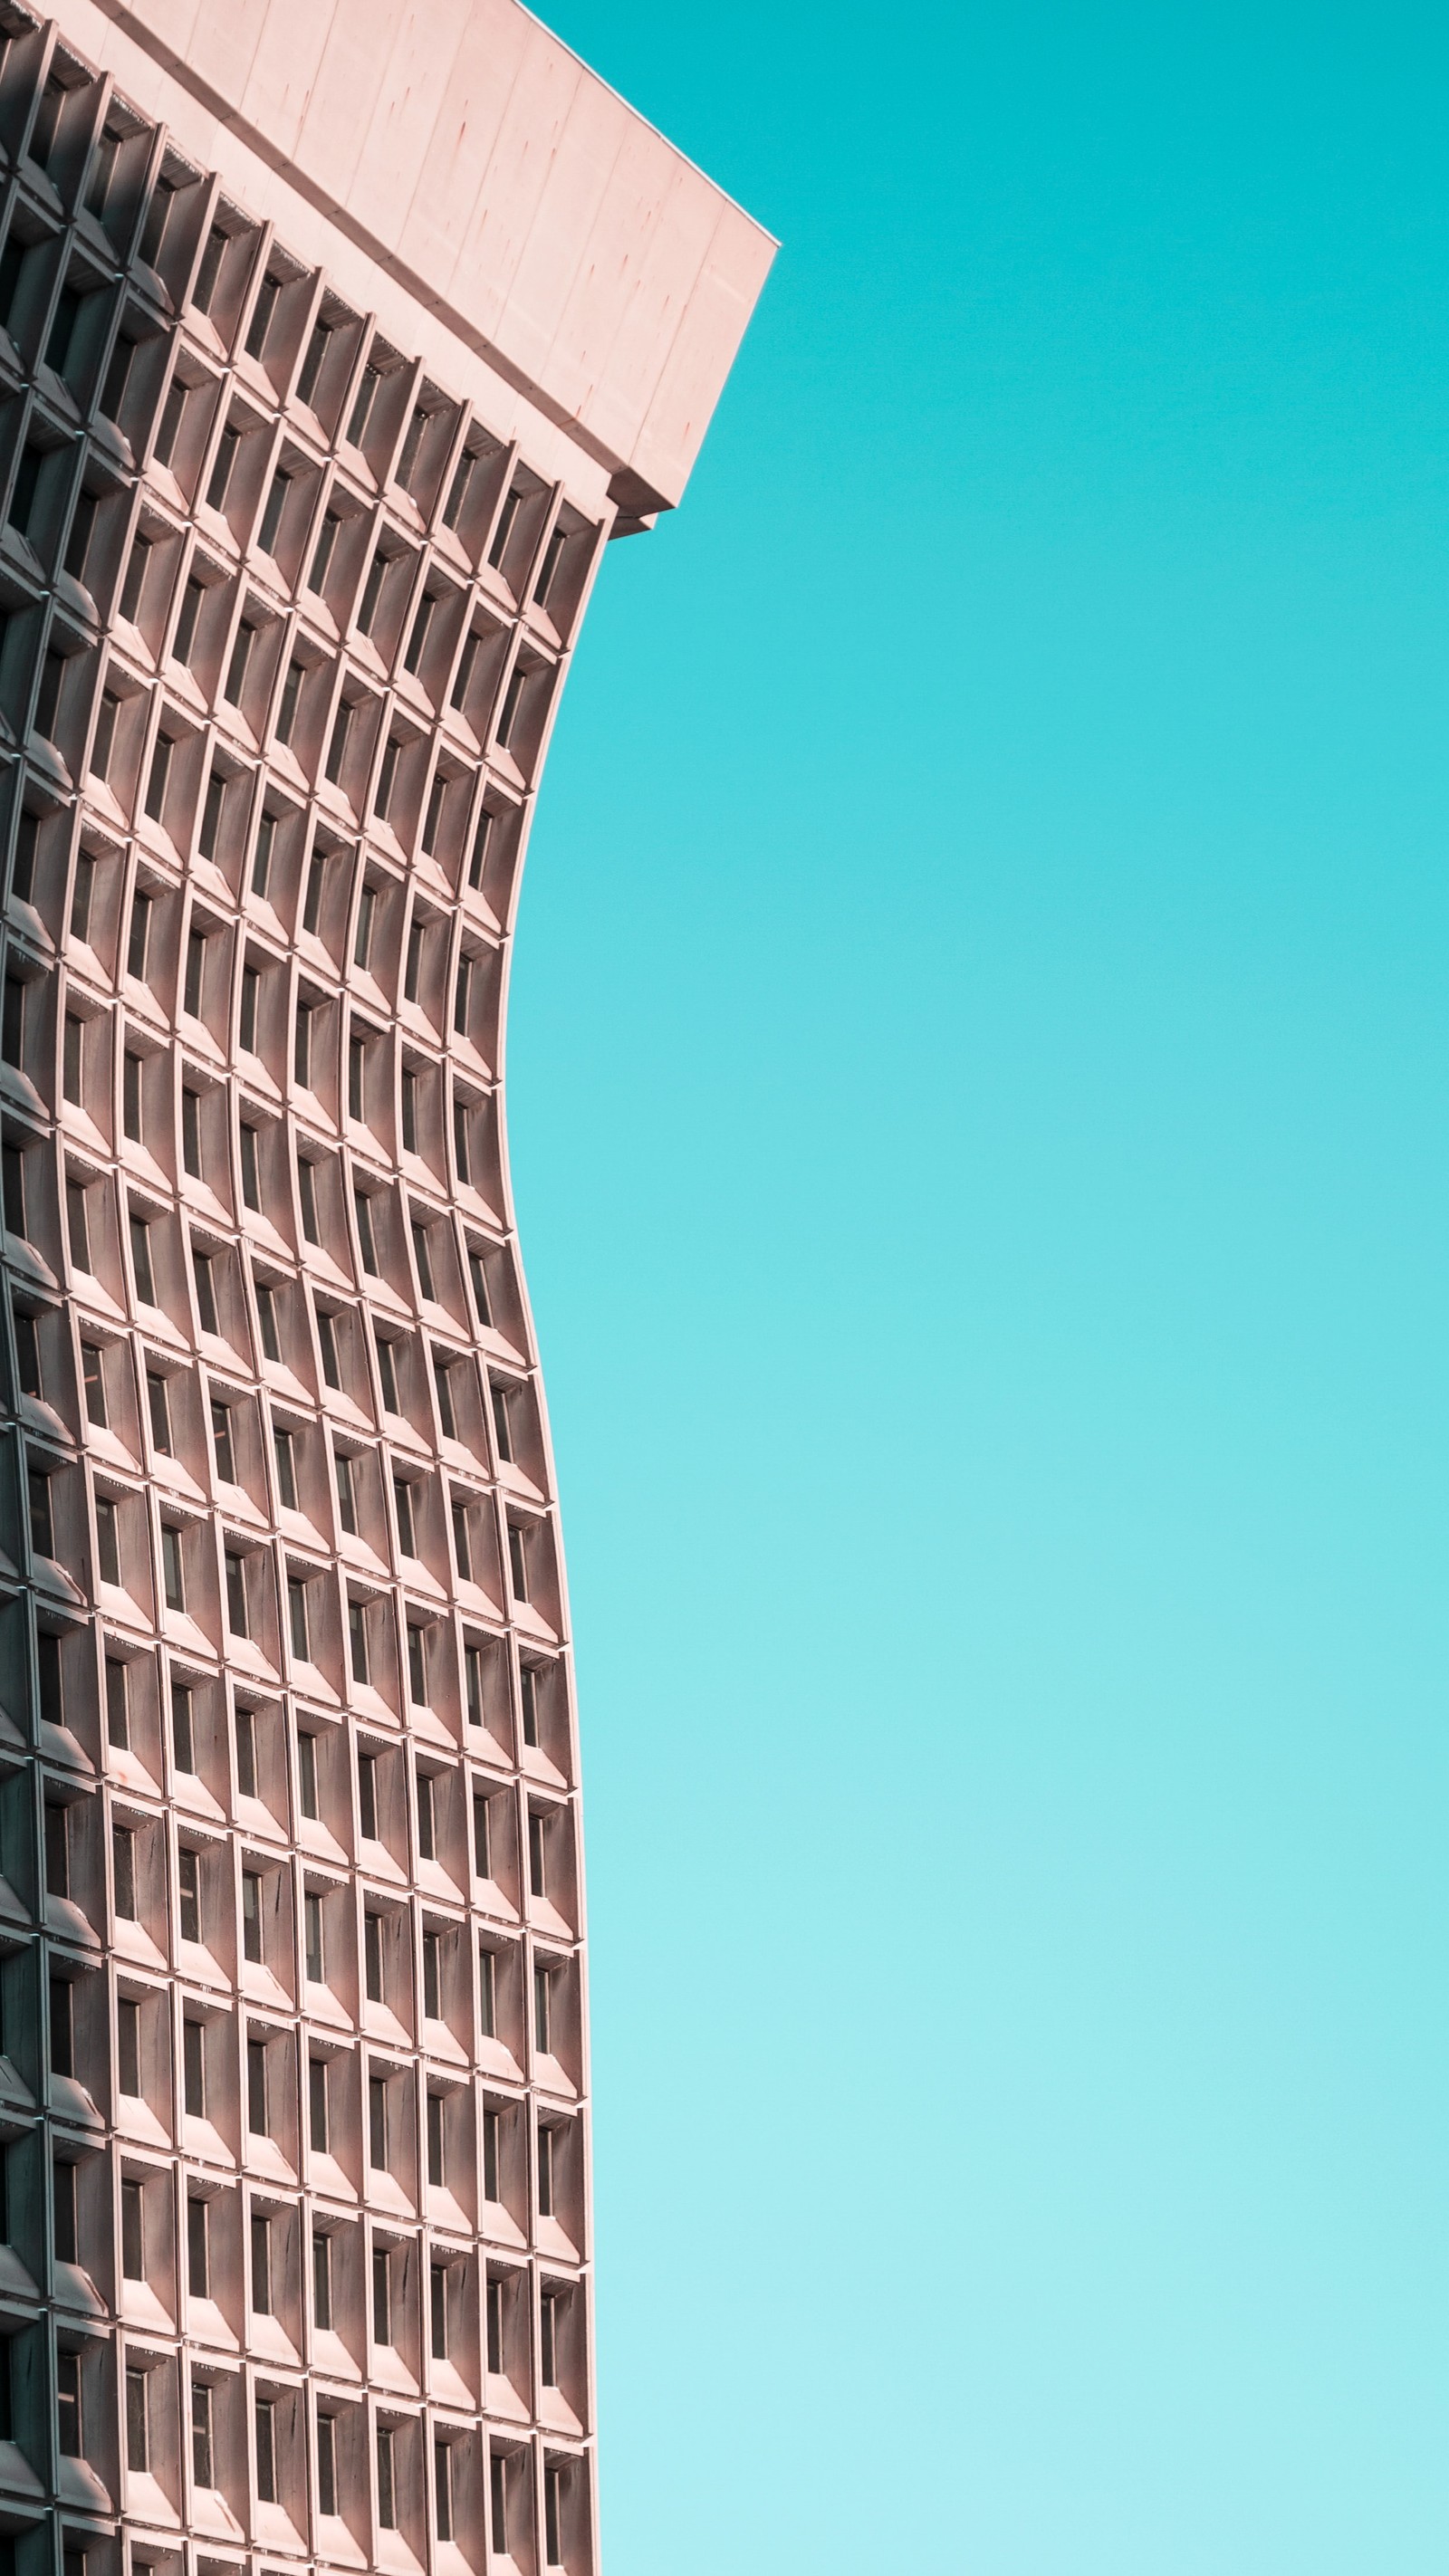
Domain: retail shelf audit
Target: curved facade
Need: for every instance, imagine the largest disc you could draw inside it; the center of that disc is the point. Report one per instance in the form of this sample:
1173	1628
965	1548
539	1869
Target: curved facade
327	370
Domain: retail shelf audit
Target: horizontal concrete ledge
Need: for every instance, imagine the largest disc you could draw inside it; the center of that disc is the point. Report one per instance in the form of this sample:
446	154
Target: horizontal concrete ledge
507	189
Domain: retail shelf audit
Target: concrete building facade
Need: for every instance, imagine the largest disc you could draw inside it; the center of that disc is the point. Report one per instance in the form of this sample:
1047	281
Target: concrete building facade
335	344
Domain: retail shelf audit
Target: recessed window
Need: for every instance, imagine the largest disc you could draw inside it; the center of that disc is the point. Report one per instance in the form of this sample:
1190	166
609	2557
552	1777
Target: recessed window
239	663
118	1712
357	1641
257	2088
130	1092
322	2287
498	2502
251	1176
543	2008
183	1727
261	2264
493	2314
275	505
326	2455
318	2129
266	2446
198	2255
319	340
307	1775
193	2063
108	1540
94	1379
263	854
202	2470
528	1700
188	1870
236	1593
372	1956
128	2047
252	1916
482	1839
488	2001
386	2479
123	1871
298	1629
367	1796
403	1505
186	619
268	297
513	503
191	1132
209	270
312	1937
432	1973
267	1321
224	1451
158	1407
377	2139
291	693
492	2154
427	1828
228	448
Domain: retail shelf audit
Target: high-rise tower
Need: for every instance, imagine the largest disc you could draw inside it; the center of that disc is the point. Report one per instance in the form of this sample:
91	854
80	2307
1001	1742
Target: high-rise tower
335	342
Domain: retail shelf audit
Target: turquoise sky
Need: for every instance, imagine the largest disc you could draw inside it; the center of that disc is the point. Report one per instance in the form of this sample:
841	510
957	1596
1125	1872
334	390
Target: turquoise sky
978	1112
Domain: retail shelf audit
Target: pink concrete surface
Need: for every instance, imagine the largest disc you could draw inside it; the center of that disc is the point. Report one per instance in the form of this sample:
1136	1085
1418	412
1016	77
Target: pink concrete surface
507	188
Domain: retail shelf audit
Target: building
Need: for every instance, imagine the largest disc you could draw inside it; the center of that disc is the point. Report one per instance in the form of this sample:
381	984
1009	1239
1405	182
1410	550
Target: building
336	344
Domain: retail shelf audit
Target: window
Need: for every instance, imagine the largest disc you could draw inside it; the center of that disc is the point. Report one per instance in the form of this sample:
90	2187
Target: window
307	1197
366	1240
371	593
239	661
284	1447
367	1796
362	405
387	777
427	1829
433	1975
548	2307
186	617
493	2323
487	1993
443	2488
263	854
251	1178
42	1520
387	1375
321	2278
191	1132
108	1541
188	1871
140	1233
173	412
204	1273
473	1683
312	1938
478	859
172	1575
267	1320
193	2060
552	556
307	1775
212	803
131	1096
68	2399
462	994
502	1428
402	1493
158	778
417	640
478	1279
372	1956
517	1562
462	1154
498	2501
104	738
356	1074
128	2047
27	841
458	489
317	2126
210	269
198	2256
22	498
409	1110
291	692
312	360
138	2443
312	907
346	1491
386	2498
366	916
246	1752
195	972
222	1448
251	986
80	905
492	2154
302	1046
236	1593
528	1696
133	2254
123	1864
266	2451
467	664
422	1255
261	2264
257	2088
159	1408
537	1841
418	1665
252	1916
57	1849
376	2121
298	1630
183	1732
512	700
357	1640
326	2456
227	449
553	2478
47	699
546	2138
504	529
482	1836
543	2008
63	2188
435	2140
322	552
268	295
202	2472
443	1381
272	514
118	1715
337	746
432	819
412	972
27	1354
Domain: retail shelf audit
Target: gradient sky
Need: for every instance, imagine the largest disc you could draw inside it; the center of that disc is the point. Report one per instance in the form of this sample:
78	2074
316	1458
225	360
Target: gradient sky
978	1120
